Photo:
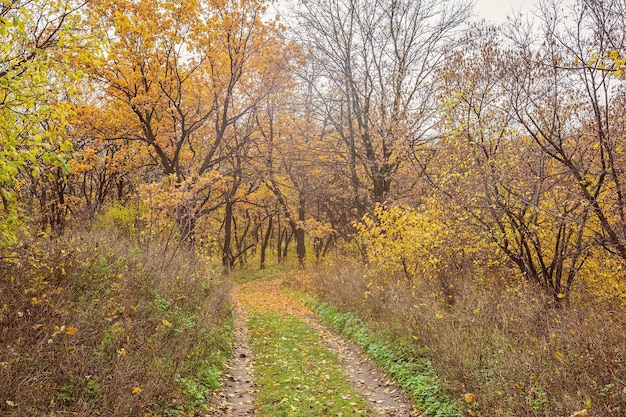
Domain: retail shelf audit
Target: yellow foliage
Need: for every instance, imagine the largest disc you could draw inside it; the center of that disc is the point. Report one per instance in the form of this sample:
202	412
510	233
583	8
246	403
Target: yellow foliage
401	240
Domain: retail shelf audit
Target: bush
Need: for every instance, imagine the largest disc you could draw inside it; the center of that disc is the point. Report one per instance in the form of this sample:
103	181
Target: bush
501	343
93	325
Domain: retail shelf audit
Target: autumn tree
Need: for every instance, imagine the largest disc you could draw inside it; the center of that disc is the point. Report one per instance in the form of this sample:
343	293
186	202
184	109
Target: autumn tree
517	196
37	41
188	75
567	100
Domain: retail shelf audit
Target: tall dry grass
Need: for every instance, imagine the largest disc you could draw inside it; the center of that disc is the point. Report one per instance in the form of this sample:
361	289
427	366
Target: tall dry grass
93	325
499	340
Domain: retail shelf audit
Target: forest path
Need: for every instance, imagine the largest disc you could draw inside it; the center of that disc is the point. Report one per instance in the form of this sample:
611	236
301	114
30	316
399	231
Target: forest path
287	363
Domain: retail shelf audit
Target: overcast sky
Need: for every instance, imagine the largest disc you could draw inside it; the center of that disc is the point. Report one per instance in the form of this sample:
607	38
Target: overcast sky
492	10
497	10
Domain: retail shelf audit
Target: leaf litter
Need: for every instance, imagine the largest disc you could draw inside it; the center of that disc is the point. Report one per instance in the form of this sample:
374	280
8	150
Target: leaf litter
236	398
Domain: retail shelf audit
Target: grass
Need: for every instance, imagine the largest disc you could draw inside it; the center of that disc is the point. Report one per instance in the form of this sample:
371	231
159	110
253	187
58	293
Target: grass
272	271
296	374
94	325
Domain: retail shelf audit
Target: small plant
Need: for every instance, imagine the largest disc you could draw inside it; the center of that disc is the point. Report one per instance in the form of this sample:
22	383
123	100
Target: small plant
414	375
122	335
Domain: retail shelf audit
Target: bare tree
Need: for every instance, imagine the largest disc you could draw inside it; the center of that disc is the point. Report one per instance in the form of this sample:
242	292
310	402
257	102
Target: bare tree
374	66
567	99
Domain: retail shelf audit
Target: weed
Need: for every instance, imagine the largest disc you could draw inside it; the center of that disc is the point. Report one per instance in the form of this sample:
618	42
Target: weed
98	326
416	377
498	339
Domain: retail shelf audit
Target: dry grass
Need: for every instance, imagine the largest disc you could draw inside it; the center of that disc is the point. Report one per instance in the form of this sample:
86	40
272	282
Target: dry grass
95	326
499	341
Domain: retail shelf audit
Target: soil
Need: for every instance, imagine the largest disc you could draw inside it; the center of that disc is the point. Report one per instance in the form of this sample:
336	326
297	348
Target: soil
236	398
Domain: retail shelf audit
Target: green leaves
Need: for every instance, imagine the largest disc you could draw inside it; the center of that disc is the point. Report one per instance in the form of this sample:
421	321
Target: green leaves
33	114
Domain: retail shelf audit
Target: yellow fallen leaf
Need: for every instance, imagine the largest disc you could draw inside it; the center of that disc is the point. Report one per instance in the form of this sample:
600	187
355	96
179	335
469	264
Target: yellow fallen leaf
469	397
136	390
70	330
166	323
122	352
581	413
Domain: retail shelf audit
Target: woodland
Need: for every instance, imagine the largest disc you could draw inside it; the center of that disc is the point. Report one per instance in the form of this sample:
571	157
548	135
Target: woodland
457	187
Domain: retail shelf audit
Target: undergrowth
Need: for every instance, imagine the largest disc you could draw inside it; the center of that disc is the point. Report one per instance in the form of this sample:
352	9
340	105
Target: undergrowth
498	346
415	375
94	325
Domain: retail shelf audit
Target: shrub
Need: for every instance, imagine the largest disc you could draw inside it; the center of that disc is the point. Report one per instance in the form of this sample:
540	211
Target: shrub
500	342
92	325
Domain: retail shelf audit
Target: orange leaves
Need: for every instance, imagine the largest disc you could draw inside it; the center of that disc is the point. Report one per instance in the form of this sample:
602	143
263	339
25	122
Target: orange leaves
263	295
70	330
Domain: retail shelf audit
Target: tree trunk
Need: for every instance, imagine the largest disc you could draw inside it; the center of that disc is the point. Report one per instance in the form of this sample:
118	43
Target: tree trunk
228	233
287	239
299	232
266	240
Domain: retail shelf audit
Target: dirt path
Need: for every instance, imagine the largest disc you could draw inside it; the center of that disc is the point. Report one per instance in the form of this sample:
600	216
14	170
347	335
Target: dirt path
237	396
365	376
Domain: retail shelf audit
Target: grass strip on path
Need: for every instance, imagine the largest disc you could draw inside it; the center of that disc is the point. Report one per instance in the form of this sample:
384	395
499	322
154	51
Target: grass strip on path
296	375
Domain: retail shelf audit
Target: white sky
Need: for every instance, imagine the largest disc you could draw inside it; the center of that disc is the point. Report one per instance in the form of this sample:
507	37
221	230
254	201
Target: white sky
491	10
497	10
